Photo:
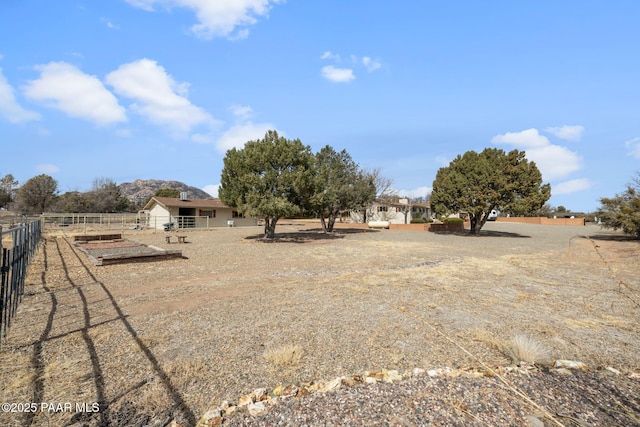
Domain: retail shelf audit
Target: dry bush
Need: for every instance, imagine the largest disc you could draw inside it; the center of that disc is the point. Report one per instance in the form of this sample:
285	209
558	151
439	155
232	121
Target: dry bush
523	348
286	355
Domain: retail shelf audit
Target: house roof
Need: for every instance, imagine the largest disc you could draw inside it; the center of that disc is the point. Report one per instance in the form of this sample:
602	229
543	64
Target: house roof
172	202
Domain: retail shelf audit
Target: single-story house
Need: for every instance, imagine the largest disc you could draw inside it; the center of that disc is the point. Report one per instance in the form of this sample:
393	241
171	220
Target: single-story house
192	213
401	211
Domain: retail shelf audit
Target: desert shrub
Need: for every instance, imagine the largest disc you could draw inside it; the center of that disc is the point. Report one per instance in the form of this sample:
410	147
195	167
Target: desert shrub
286	355
523	348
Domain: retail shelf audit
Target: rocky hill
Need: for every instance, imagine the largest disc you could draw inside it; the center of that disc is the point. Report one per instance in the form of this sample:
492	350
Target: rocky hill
141	190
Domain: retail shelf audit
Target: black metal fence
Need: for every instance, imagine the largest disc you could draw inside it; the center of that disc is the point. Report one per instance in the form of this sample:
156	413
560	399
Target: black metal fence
17	246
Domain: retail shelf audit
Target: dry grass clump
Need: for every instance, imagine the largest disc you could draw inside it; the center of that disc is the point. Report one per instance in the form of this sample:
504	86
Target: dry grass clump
286	355
523	348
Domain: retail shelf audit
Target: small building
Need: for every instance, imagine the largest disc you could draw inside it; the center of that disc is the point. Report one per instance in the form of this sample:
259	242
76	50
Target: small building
193	213
400	211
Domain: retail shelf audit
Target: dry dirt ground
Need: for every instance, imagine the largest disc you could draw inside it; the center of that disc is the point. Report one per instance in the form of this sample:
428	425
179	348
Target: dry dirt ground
155	341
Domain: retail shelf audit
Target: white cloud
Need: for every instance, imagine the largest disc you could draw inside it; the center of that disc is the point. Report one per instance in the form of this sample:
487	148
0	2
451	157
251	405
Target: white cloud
212	189
634	147
442	161
158	97
64	87
371	64
329	55
239	134
571	186
217	18
241	111
569	133
9	107
415	193
554	161
529	138
47	168
109	24
337	75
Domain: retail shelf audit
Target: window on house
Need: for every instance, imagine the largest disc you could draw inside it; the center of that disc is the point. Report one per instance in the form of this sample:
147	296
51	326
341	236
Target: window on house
382	209
236	214
208	213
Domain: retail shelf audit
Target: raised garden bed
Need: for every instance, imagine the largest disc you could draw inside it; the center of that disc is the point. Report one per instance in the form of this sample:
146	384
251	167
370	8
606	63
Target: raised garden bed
113	249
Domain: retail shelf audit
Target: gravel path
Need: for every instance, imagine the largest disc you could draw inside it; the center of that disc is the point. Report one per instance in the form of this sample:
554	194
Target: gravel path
160	341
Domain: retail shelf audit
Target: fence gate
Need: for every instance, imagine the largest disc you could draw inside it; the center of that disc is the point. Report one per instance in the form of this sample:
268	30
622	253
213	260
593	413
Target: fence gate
21	243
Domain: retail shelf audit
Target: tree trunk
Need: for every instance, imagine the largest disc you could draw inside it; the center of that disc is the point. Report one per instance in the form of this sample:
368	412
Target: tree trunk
474	223
270	227
332	221
324	224
477	222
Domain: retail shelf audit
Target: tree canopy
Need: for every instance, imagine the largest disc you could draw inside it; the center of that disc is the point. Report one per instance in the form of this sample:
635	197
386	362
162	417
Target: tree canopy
338	185
8	188
167	192
37	194
270	177
477	183
622	212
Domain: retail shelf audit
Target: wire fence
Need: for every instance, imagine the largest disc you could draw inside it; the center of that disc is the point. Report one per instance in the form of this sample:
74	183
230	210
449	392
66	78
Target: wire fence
90	222
17	246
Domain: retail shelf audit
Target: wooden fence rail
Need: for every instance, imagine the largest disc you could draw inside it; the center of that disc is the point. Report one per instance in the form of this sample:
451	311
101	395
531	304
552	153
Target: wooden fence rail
21	241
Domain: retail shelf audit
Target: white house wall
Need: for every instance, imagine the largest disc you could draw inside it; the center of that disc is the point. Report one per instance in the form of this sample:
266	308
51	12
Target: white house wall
159	215
393	215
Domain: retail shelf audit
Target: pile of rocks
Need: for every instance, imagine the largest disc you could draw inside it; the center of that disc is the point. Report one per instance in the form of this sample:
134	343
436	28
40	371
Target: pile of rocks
259	401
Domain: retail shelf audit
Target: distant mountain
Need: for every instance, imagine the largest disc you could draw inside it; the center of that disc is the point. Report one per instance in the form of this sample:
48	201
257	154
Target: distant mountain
141	190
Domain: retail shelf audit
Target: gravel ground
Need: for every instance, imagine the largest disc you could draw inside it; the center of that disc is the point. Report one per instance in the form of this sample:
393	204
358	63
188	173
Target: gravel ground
581	399
160	341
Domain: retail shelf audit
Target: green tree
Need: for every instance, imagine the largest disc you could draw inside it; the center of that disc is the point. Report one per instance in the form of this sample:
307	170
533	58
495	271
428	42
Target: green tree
167	192
37	194
8	188
339	185
478	183
270	177
622	212
73	202
105	196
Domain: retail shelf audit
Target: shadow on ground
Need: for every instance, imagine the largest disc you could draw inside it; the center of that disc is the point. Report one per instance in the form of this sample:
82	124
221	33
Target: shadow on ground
612	238
309	235
483	233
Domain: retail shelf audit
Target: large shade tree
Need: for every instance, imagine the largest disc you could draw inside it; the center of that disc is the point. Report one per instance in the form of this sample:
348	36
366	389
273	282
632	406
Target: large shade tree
37	194
477	183
622	212
270	177
338	185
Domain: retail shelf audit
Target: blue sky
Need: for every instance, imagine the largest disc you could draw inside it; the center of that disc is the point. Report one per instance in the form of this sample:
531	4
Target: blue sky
160	89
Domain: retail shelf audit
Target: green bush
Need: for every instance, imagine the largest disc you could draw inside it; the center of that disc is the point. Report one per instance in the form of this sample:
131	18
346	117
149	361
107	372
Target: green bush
453	221
418	221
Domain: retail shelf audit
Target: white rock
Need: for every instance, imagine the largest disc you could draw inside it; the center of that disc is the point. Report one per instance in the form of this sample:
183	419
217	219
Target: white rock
392	376
212	413
257	409
534	421
245	400
418	372
570	364
612	369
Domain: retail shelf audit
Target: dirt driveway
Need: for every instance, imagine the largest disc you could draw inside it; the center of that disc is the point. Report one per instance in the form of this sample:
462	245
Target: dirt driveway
150	342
